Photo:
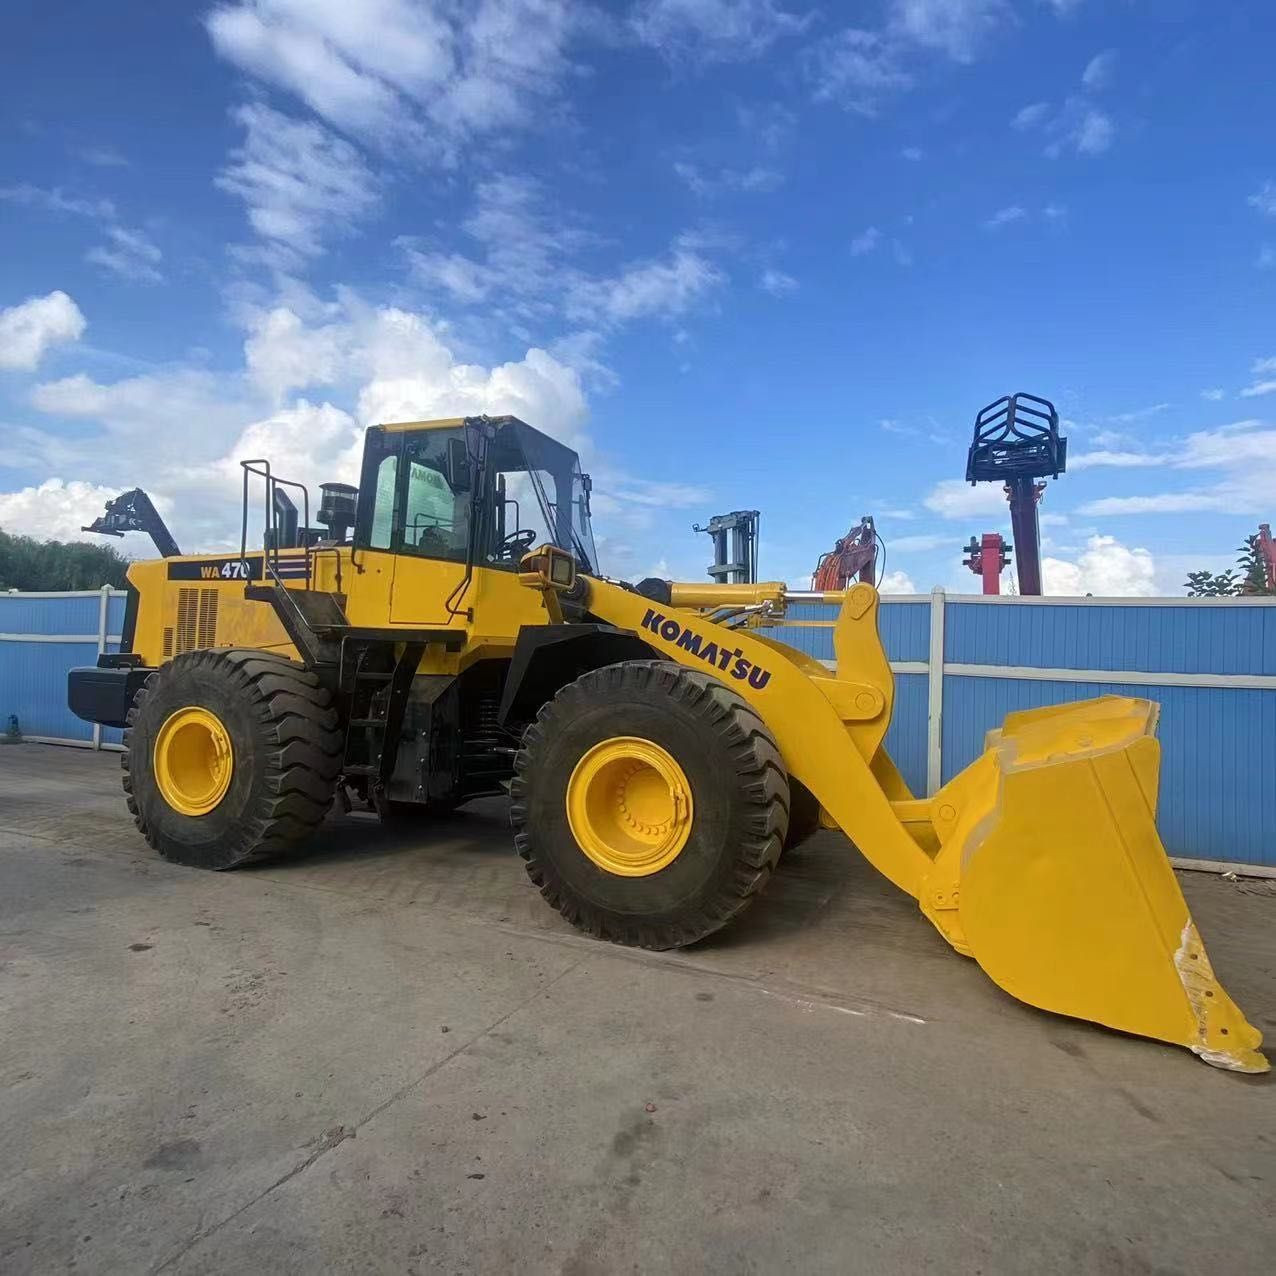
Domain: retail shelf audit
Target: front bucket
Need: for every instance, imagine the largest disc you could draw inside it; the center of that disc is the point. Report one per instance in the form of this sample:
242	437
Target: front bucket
1051	874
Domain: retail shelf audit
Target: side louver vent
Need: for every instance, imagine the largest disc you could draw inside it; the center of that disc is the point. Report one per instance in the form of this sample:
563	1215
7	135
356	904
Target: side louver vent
196	621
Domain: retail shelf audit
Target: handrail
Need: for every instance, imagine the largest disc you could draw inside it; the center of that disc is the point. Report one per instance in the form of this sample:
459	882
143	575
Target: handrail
270	543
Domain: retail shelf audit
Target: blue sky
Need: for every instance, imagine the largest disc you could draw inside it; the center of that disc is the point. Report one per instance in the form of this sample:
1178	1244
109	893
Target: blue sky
751	254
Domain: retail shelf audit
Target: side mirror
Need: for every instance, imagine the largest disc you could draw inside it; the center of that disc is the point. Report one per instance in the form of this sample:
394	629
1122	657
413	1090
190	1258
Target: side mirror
459	475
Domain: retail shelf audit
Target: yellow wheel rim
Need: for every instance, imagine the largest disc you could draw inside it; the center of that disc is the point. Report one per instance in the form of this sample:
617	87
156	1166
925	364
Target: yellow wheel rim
629	806
193	761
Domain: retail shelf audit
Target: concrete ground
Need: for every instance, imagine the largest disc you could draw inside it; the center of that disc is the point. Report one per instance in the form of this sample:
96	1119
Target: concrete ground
390	1055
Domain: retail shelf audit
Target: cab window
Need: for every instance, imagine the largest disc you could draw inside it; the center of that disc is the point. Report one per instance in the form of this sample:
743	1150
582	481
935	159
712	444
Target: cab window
383	503
436	520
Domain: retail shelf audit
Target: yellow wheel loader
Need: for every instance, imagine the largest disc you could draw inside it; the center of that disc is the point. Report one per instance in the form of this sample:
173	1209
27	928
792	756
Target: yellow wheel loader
447	634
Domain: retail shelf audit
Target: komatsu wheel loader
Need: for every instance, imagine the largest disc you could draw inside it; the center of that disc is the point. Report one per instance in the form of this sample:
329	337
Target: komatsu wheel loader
450	636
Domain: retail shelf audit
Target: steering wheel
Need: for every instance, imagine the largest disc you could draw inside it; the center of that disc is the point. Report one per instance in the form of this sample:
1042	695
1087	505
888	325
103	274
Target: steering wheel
516	544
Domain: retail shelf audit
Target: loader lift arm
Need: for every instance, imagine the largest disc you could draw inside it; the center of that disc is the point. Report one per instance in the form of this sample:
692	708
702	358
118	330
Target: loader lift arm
1041	860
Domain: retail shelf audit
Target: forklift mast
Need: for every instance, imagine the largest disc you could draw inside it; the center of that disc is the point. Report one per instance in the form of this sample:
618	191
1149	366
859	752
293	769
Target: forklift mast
1017	442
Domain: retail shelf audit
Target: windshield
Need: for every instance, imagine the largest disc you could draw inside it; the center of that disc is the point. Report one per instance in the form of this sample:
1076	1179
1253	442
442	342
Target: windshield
542	493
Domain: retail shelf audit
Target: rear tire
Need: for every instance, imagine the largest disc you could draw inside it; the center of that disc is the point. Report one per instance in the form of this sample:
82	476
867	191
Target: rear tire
739	803
286	749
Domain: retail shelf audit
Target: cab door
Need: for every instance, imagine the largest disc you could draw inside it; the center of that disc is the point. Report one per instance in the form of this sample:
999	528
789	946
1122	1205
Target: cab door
430	534
410	534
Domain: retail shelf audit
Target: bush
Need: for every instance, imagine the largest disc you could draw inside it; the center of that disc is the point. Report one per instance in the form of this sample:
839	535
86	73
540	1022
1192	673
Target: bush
26	563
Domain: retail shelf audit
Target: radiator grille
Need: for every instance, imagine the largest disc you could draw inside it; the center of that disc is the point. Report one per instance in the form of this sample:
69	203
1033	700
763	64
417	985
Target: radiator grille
187	610
196	627
207	626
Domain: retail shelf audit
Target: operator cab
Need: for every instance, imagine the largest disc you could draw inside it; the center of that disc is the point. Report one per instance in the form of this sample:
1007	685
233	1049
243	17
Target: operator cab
475	490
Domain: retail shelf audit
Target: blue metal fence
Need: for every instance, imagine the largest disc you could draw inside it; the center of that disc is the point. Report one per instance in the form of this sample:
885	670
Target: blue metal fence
1211	663
42	636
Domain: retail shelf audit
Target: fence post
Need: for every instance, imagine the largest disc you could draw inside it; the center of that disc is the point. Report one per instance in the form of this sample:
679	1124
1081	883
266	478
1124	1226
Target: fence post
103	612
935	695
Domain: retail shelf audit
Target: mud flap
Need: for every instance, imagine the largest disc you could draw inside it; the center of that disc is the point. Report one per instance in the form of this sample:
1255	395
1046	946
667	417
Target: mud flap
1052	875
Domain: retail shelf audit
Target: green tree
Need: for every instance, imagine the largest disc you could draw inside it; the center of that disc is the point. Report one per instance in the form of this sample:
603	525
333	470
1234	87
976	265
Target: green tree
26	563
1206	584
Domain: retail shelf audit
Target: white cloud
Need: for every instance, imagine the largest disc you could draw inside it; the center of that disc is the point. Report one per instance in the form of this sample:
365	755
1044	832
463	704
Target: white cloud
1005	217
1263	369
524	251
54	509
282	353
1106	568
1099	70
178	416
54	201
756	179
866	241
1079	125
661	287
29	329
1214	395
1162	503
1094	134
714	30
859	67
856	69
299	181
306	443
913	153
777	283
421	75
394	365
1140	414
104	157
1244	455
1030	116
896	583
958	28
954	498
536	388
1113	460
526	258
129	254
1266	257
1264	199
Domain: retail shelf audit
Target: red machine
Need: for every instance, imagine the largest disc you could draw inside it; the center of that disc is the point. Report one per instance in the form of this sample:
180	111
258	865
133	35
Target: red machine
988	558
1267	552
854	557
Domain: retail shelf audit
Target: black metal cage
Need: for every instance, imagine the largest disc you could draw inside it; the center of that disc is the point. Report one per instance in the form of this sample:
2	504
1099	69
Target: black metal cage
1016	437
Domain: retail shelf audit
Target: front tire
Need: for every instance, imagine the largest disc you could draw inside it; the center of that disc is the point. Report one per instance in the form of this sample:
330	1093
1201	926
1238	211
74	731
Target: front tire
230	756
631	734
